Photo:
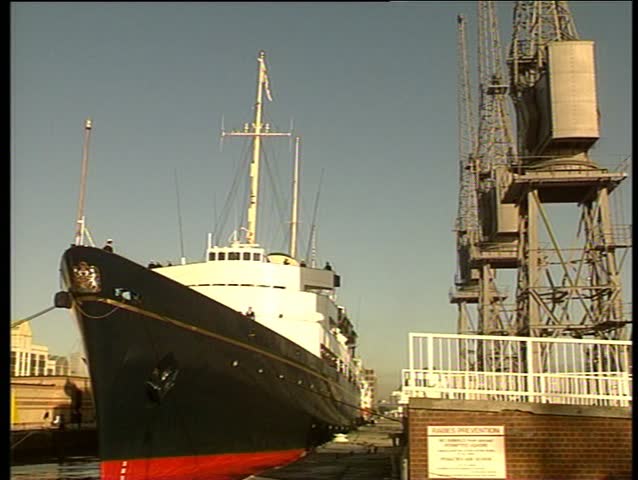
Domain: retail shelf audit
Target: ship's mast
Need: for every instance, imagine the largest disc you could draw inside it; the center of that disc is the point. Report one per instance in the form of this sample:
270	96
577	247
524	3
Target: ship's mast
254	166
257	130
79	226
295	204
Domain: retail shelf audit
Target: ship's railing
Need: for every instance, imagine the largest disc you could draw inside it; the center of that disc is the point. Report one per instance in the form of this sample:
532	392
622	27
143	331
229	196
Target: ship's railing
519	369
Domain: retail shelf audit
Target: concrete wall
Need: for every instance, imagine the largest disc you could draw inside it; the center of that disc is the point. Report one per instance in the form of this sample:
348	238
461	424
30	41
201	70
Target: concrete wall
34	398
541	441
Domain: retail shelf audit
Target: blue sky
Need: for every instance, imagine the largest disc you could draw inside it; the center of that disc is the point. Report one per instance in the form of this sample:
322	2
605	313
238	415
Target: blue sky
370	87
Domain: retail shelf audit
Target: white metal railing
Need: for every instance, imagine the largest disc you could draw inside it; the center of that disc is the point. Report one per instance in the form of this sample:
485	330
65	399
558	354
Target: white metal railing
523	369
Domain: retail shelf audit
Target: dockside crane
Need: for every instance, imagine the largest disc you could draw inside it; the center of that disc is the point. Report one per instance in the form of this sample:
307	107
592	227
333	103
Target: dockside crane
465	291
574	291
498	245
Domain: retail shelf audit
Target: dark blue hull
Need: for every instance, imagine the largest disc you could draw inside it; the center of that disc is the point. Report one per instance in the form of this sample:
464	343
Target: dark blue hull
177	374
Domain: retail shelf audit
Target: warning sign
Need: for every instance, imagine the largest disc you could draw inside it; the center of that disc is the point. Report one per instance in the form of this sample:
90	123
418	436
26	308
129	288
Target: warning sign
473	451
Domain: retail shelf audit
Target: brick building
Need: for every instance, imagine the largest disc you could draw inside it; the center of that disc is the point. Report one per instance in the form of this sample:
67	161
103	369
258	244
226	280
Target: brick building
529	440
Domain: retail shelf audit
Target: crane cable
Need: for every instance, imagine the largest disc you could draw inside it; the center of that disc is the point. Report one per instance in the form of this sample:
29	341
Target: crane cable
21	321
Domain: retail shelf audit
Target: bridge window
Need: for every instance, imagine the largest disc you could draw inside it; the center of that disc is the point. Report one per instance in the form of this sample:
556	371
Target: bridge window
220	256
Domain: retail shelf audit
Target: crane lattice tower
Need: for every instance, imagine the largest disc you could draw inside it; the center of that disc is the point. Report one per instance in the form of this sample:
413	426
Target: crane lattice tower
466	292
498	245
486	230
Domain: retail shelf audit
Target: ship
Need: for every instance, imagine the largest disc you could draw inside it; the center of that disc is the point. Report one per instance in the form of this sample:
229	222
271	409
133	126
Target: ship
216	369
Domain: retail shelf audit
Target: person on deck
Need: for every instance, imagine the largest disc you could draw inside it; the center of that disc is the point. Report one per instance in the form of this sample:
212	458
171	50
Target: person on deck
109	246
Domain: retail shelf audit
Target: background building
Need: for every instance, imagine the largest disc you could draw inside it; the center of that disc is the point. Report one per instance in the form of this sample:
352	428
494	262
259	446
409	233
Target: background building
31	360
77	365
45	386
27	358
371	379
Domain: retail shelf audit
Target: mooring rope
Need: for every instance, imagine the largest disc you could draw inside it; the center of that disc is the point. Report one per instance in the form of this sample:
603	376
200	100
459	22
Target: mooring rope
35	315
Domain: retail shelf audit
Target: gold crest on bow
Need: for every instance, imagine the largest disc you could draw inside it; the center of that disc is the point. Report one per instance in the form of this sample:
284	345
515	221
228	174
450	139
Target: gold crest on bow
86	278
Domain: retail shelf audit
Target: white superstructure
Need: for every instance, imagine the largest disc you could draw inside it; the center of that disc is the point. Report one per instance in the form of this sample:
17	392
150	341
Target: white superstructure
296	301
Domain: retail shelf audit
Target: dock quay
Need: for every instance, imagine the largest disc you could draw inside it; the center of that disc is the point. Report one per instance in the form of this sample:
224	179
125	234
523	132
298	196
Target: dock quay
39	445
372	452
52	417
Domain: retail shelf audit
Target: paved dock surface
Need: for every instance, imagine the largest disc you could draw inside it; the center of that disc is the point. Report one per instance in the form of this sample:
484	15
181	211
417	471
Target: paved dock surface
368	454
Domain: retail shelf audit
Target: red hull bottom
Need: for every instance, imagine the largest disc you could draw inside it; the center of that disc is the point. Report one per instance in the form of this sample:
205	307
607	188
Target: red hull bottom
229	466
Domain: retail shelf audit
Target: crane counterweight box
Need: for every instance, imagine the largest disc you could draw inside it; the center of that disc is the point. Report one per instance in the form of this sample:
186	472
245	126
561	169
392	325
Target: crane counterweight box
566	96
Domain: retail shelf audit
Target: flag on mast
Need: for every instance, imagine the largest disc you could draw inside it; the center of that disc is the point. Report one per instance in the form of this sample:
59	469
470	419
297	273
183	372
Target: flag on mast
266	82
267	86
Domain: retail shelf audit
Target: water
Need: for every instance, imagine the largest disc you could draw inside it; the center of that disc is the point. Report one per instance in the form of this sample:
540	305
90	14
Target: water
73	468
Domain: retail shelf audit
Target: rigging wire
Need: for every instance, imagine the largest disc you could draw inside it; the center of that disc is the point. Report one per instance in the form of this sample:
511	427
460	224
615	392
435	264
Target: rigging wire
220	222
277	201
179	218
314	216
279	219
31	317
240	167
